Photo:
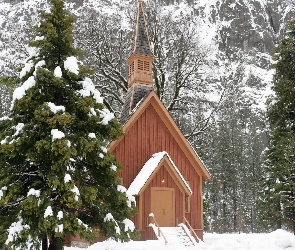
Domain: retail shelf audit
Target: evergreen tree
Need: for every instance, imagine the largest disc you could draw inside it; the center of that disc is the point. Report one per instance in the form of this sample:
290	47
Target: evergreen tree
57	178
278	198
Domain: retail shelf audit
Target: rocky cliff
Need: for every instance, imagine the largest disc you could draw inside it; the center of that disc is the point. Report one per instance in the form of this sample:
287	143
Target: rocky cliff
247	24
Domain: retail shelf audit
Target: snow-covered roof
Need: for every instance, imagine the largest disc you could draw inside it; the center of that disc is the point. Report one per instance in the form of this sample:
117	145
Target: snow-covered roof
148	169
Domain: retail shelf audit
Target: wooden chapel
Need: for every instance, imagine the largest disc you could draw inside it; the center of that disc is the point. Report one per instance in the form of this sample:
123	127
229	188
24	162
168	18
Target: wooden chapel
160	168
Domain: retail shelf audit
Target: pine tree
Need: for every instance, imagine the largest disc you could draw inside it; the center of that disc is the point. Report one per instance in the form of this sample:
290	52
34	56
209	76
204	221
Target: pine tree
278	197
57	178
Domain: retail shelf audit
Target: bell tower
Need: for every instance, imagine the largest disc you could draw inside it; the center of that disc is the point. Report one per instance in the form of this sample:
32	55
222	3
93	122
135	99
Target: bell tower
140	74
141	59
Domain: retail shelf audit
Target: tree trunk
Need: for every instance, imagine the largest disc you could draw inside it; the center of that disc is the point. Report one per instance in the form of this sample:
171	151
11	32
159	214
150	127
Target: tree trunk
45	243
55	244
279	220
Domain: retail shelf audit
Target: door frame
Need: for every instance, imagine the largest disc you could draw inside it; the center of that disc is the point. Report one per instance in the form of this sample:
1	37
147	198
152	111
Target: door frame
173	199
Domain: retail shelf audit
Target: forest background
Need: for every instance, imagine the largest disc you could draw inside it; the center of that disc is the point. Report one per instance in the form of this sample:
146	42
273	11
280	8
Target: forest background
213	71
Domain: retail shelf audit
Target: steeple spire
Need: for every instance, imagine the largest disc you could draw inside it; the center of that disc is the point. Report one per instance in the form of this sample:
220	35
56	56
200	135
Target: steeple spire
142	42
140	62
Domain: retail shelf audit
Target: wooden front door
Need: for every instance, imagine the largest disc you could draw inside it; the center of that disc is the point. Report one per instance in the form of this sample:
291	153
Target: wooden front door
163	206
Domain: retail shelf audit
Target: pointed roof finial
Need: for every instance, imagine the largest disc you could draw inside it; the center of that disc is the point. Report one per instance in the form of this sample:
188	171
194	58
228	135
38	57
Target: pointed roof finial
142	43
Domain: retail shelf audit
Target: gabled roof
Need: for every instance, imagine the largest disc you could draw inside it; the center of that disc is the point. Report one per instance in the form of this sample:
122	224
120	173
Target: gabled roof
141	44
153	99
134	97
151	167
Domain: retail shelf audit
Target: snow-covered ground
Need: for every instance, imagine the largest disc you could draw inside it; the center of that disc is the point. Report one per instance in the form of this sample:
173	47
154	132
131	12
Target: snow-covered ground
277	240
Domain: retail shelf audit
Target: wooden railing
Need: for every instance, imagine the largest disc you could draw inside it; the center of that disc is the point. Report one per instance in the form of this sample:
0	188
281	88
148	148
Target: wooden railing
158	227
192	231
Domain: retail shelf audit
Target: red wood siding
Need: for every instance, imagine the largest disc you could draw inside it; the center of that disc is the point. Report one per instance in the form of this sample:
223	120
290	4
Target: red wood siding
147	136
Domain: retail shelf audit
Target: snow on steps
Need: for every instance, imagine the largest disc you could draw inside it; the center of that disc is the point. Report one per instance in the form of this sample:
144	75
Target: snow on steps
176	235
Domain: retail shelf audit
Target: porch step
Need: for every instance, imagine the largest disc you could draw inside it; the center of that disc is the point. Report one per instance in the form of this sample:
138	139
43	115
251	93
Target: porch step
176	236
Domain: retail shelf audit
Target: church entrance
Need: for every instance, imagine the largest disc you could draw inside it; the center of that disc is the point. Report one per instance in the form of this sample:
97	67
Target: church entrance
163	206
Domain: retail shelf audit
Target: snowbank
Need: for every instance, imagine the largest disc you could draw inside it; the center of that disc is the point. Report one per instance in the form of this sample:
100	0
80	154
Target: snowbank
277	240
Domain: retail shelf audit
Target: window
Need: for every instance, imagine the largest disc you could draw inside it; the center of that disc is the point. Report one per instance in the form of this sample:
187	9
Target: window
187	204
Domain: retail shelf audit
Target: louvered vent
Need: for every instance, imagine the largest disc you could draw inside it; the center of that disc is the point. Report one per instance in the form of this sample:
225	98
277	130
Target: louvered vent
131	68
140	65
146	66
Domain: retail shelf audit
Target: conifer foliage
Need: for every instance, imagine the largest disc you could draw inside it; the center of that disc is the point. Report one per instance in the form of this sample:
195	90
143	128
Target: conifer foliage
56	177
278	203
